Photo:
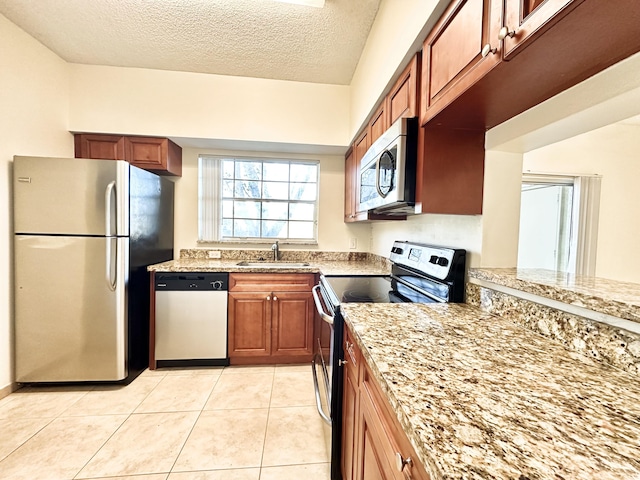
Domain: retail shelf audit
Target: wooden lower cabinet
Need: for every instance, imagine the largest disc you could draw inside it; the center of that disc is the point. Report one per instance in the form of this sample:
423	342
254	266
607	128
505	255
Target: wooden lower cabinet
374	446
349	406
270	318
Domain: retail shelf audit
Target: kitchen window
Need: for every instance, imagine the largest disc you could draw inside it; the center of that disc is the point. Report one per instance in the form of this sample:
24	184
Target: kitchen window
255	199
559	222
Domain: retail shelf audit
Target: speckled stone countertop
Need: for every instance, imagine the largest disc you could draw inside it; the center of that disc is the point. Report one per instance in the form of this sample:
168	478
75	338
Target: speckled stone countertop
328	263
619	299
482	398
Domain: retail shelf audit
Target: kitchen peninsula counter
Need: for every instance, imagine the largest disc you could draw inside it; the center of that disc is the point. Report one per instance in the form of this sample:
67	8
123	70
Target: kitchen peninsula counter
480	397
609	297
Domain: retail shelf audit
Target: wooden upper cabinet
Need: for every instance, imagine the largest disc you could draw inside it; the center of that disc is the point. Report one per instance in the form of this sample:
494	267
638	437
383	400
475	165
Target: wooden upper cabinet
377	124
525	18
461	48
360	147
402	100
350	177
158	155
450	171
99	147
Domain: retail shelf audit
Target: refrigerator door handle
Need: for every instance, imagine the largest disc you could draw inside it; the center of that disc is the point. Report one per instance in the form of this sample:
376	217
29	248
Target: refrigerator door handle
107	207
111	274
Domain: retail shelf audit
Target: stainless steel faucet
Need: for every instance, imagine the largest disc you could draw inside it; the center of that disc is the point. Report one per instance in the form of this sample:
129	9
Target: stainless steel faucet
276	251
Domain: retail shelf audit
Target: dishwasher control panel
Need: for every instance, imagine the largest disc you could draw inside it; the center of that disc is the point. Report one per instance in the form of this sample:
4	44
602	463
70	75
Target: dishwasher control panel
191	281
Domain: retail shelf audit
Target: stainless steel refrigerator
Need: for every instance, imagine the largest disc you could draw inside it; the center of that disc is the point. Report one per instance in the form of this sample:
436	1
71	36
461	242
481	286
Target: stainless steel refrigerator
85	230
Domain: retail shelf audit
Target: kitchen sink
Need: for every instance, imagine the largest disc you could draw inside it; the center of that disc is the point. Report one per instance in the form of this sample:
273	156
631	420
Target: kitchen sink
267	264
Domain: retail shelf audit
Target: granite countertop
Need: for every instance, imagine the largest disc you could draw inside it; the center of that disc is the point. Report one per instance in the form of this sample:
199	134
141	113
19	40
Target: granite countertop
327	263
611	297
482	398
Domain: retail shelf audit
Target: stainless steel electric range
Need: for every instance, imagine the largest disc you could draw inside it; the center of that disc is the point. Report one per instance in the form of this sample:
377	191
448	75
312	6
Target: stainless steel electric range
420	273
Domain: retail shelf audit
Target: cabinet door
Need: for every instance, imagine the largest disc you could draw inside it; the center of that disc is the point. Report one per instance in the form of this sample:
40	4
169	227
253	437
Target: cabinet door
524	18
450	179
386	436
349	406
402	100
292	323
159	155
372	445
249	324
378	124
349	415
349	186
360	147
453	52
99	147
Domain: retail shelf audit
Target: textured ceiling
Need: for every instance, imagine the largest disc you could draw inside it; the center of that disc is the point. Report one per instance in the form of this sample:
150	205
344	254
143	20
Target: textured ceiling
251	38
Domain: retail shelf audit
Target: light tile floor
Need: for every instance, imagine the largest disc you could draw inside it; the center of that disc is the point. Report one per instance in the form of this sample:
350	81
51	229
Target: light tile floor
233	423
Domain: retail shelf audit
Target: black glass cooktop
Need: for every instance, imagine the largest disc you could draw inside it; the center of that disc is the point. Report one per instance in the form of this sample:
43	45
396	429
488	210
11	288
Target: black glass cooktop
361	289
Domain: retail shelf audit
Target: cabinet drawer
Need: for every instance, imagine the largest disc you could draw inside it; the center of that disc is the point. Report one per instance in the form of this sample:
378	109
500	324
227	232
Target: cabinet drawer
267	282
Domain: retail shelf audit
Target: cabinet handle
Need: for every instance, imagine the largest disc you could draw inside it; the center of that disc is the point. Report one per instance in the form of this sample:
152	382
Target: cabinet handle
401	461
342	362
275	298
486	50
268	297
505	32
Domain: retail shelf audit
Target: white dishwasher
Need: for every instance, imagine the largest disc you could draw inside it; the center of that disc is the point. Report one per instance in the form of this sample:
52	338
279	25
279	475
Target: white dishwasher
191	319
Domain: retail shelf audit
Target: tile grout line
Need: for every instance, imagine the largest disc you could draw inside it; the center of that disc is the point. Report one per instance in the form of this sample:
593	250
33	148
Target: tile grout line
51	419
128	416
194	424
266	429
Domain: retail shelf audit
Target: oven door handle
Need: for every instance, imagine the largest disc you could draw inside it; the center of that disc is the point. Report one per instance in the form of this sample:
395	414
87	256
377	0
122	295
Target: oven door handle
324	315
316	387
417	289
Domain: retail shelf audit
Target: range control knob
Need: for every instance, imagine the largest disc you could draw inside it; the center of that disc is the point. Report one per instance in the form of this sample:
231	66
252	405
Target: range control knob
443	262
217	285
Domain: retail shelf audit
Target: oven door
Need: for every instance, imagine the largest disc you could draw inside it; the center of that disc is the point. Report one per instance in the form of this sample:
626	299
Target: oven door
322	363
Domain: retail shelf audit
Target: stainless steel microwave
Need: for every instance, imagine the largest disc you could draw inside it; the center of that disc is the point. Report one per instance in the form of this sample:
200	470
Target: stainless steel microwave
388	171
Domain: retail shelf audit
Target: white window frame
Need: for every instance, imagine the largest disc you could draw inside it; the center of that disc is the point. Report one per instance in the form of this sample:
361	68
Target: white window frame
210	201
585	215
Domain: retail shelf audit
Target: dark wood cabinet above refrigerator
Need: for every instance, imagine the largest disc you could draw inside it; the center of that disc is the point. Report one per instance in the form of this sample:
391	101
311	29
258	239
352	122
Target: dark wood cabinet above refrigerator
155	154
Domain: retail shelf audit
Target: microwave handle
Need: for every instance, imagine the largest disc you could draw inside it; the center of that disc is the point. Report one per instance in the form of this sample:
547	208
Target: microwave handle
378	177
380	192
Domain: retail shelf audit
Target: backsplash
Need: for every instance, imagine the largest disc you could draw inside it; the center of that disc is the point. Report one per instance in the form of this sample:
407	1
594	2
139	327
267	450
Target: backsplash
614	346
287	255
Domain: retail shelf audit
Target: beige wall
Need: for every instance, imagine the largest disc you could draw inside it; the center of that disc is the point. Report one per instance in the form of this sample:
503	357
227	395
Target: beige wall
201	106
501	209
460	231
34	95
396	35
614	153
333	233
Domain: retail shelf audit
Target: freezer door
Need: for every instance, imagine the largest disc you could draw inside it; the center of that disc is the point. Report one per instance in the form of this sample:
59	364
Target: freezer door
70	196
70	308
